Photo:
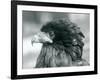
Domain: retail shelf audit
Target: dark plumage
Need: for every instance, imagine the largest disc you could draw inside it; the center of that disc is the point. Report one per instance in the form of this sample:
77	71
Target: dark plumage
66	46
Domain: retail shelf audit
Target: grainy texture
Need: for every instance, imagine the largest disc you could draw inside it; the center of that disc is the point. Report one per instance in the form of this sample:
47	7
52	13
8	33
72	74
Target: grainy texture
33	21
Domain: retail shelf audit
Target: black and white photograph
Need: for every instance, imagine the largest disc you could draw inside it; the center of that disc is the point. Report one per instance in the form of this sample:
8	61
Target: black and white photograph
53	39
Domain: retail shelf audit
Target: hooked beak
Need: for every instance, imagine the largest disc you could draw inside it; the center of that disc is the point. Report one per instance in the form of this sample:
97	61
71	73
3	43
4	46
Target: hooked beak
41	37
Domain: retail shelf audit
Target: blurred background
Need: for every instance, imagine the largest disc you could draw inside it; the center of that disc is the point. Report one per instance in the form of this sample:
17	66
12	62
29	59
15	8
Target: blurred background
32	21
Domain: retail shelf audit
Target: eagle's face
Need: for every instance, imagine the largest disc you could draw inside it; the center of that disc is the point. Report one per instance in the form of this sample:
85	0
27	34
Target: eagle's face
63	32
43	37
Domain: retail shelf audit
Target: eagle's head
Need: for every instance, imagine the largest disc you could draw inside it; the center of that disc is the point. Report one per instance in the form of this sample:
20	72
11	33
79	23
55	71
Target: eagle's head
59	31
61	35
